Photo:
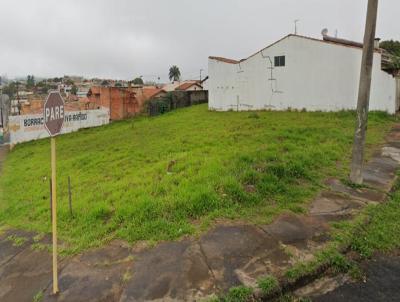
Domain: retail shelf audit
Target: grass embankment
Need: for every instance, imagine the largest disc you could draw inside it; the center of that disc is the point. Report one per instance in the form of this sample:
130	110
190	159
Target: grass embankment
160	178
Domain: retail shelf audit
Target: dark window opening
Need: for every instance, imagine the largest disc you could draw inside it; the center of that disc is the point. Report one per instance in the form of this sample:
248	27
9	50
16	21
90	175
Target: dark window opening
280	61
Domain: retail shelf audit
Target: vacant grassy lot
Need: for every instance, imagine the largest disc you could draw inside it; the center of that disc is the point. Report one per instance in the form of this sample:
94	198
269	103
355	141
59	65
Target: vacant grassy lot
160	178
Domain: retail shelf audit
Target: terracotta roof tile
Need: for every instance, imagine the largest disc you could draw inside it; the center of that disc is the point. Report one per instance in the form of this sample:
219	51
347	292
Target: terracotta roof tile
186	86
148	93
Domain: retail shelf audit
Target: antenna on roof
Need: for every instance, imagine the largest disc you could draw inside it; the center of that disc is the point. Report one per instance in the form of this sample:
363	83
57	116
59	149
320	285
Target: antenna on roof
324	32
295	26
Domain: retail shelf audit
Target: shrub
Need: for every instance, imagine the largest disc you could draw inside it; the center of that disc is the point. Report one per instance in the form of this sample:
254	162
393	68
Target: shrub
268	285
238	294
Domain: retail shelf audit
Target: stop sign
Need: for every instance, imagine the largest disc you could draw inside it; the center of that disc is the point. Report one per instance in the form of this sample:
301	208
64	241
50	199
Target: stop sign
54	113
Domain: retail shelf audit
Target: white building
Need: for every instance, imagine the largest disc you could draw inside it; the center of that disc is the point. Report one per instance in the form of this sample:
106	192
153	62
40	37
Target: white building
64	88
82	92
25	94
300	73
16	105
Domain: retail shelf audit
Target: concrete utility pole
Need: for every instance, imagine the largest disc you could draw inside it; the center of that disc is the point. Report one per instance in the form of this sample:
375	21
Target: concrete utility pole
364	93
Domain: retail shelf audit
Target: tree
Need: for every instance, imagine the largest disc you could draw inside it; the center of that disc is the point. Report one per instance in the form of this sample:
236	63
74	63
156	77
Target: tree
30	81
364	94
43	87
105	83
174	73
396	63
138	81
391	46
74	90
11	89
68	81
57	80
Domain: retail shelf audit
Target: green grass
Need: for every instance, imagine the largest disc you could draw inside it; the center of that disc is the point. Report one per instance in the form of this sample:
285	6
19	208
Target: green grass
237	294
38	297
291	298
268	285
382	234
41	247
160	178
16	240
329	256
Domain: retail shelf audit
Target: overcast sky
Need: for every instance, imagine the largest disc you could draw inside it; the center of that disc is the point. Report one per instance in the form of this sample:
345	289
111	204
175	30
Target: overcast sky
122	39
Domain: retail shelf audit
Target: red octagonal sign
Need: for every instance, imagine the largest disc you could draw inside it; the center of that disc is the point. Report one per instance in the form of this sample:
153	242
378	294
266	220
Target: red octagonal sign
54	113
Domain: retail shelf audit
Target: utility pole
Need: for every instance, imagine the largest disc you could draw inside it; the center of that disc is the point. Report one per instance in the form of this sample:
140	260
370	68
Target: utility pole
1	113
18	102
364	93
201	70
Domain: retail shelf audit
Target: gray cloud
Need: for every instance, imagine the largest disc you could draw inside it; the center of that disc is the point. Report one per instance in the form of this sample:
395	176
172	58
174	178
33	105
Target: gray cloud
124	38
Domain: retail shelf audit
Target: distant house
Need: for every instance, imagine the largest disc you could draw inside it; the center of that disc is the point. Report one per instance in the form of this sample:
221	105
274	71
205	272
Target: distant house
300	73
171	86
82	92
16	105
190	86
64	88
153	92
35	105
25	94
183	85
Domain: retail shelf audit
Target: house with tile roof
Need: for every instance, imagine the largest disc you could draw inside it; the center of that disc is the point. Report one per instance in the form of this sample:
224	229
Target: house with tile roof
188	85
300	72
151	92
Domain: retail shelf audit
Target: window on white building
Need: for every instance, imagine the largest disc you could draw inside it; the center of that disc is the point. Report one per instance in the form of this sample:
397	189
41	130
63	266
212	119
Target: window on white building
280	61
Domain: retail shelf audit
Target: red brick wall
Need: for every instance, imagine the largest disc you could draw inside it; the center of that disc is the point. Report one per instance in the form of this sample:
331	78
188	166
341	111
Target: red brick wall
122	102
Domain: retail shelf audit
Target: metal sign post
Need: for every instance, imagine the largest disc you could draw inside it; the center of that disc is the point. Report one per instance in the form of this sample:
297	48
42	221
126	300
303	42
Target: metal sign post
53	114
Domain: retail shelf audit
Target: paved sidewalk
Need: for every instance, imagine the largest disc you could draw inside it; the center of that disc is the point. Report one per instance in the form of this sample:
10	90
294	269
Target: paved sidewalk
188	270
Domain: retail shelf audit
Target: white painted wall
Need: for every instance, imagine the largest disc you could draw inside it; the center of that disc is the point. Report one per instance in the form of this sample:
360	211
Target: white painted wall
25	128
317	76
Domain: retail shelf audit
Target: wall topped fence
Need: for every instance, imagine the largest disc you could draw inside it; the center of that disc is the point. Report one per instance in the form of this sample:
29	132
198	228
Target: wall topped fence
23	128
176	99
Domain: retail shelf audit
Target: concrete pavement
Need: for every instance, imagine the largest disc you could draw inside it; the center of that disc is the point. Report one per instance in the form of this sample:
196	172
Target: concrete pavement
381	283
